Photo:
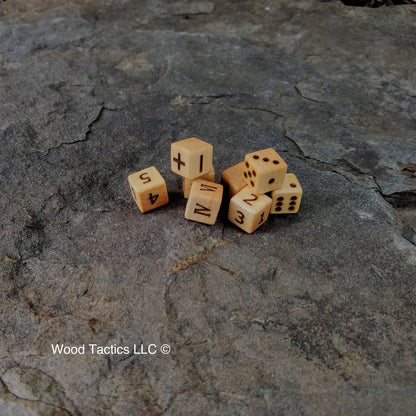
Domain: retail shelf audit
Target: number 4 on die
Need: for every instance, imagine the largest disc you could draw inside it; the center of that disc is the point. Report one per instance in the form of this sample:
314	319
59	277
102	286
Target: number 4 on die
148	189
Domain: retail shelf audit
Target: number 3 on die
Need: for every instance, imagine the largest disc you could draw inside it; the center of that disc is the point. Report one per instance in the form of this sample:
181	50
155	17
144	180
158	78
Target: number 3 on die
240	218
248	210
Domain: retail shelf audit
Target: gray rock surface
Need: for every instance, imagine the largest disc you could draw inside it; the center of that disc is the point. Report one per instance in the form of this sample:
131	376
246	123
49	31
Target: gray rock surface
312	314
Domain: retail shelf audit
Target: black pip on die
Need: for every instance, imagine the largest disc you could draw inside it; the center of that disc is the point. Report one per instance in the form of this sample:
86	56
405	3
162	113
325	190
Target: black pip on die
261	172
286	200
264	171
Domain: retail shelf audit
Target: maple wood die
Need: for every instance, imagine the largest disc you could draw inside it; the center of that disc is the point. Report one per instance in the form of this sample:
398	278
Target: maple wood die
187	183
286	200
264	171
148	189
191	158
248	210
204	202
232	178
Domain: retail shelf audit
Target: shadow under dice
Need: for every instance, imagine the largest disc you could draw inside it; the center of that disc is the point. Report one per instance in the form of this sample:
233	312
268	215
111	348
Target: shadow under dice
248	210
264	171
148	189
204	202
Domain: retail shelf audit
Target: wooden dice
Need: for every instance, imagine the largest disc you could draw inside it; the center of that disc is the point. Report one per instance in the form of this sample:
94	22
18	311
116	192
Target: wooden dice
232	179
247	183
191	158
148	189
264	171
187	183
204	202
248	210
286	200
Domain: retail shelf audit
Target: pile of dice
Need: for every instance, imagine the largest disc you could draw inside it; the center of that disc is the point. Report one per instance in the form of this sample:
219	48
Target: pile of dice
256	187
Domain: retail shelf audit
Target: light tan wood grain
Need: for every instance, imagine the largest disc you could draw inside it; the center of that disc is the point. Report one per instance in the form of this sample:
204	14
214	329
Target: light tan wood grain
248	210
204	202
148	189
191	158
264	171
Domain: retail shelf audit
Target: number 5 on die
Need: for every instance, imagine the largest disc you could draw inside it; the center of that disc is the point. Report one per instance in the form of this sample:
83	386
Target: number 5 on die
148	189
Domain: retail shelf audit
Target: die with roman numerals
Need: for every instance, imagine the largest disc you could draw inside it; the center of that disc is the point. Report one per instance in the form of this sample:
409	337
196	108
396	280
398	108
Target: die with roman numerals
191	158
248	210
204	202
148	189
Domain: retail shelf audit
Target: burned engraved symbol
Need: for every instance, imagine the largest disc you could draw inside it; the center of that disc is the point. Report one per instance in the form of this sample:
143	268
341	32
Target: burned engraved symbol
208	188
153	198
145	178
179	161
261	217
247	200
240	218
202	210
201	162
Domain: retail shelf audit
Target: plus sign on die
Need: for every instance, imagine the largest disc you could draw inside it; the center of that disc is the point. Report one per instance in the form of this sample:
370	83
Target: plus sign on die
191	158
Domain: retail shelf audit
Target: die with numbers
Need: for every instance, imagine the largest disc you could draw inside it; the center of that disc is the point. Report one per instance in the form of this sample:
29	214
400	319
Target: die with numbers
191	158
204	202
286	200
148	189
187	183
232	178
264	171
248	210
